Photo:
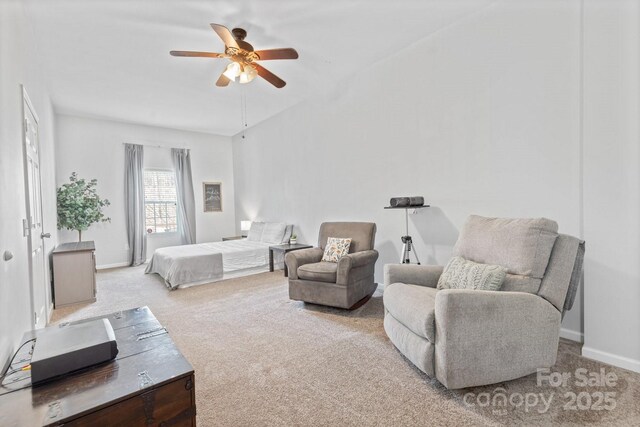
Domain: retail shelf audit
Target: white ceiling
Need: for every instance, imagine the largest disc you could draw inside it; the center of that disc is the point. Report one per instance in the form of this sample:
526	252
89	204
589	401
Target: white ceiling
110	58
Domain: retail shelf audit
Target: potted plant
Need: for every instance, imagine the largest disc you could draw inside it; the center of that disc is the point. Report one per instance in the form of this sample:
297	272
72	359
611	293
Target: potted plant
293	239
79	205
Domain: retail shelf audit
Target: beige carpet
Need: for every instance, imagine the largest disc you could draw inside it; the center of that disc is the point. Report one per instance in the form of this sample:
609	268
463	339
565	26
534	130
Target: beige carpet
261	359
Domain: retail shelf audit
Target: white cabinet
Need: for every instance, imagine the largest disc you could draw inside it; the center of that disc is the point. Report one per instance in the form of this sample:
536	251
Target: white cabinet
74	273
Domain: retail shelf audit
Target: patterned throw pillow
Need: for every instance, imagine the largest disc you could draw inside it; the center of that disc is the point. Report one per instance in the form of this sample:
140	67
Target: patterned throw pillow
463	274
336	248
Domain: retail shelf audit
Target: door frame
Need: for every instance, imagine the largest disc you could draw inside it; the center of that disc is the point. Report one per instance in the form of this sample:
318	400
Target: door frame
27	222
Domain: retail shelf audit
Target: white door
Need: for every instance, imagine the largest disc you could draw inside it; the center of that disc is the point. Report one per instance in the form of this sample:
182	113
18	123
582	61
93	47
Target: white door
33	223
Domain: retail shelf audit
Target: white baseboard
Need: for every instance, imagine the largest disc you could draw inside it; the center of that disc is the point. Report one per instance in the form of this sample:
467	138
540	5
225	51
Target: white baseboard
571	335
611	359
116	265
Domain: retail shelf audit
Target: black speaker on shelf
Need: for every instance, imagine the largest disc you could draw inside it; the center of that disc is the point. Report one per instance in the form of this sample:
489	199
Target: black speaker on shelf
405	202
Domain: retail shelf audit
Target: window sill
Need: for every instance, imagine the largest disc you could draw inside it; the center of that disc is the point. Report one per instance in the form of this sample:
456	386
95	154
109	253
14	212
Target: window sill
163	233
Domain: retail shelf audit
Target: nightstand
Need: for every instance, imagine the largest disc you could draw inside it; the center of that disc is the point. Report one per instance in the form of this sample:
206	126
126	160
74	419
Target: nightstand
224	239
74	273
287	247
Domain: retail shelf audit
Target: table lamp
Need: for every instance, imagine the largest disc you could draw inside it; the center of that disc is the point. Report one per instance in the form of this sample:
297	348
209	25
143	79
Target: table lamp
244	227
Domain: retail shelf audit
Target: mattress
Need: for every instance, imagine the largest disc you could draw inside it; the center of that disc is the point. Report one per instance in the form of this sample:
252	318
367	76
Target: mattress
188	265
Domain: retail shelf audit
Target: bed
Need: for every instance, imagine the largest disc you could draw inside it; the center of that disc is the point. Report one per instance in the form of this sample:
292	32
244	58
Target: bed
191	265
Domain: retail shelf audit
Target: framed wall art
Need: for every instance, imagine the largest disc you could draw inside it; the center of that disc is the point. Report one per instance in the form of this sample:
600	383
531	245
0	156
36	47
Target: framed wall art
212	193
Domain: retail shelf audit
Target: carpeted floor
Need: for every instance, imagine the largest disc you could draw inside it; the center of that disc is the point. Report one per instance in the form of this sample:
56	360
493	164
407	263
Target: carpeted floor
261	359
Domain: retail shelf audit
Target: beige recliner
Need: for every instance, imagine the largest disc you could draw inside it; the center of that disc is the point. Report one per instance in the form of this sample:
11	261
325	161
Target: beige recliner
348	283
468	338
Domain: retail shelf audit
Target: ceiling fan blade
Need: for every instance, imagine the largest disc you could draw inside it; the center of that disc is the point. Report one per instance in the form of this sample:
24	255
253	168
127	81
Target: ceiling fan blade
222	81
225	35
199	54
269	76
286	53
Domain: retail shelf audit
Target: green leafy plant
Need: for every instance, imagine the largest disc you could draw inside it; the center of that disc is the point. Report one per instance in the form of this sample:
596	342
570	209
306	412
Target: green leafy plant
79	205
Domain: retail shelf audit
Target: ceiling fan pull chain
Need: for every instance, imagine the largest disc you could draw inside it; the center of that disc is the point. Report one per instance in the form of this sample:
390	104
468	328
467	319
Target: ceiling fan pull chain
243	112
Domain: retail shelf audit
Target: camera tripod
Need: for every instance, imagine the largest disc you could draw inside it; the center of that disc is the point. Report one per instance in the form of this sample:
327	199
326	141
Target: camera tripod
406	251
407	243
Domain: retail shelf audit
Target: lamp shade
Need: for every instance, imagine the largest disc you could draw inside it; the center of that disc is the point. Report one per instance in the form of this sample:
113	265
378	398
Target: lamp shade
248	73
232	71
245	225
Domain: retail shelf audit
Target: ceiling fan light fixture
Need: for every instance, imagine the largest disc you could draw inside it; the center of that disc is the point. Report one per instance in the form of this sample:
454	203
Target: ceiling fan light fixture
248	74
243	68
233	70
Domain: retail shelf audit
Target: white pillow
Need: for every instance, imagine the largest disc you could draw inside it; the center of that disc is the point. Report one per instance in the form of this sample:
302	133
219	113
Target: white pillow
287	233
255	232
273	232
464	274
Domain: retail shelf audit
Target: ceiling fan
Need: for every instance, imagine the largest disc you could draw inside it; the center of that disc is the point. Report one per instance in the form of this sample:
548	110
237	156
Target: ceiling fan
243	67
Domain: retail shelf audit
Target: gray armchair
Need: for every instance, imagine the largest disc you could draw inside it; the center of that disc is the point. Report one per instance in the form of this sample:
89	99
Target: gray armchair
468	338
348	283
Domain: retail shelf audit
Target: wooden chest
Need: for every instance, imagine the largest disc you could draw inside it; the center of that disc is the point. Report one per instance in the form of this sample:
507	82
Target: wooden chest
149	384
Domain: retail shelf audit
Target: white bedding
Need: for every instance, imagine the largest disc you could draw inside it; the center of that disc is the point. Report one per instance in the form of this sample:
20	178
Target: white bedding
188	265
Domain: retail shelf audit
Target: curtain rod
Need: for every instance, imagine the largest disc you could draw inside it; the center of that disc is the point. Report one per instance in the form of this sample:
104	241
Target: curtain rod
156	146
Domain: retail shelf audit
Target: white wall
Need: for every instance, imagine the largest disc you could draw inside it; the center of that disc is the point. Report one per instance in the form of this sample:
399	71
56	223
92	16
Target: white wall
612	182
481	117
94	149
499	114
19	59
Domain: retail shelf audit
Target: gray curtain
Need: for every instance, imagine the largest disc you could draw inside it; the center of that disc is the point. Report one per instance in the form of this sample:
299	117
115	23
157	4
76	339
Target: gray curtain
186	207
134	201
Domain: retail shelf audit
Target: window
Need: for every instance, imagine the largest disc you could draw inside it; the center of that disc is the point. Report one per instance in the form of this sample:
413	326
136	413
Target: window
160	201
